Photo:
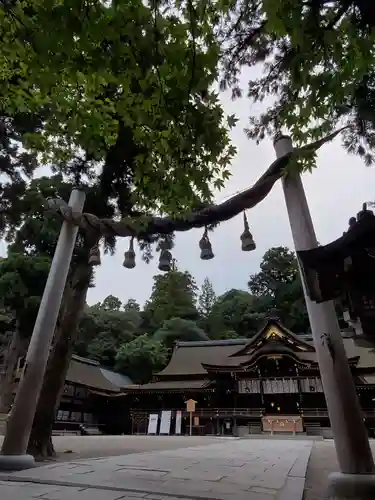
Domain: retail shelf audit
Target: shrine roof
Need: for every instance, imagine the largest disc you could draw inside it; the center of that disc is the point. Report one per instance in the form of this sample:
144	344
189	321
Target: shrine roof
361	234
188	357
201	357
89	373
172	385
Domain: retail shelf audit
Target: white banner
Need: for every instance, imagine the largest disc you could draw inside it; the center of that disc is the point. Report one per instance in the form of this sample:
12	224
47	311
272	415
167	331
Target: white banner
165	423
249	386
178	422
153	423
311	385
280	386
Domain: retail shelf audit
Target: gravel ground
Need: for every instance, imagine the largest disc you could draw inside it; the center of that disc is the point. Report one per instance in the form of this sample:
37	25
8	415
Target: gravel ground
75	447
322	462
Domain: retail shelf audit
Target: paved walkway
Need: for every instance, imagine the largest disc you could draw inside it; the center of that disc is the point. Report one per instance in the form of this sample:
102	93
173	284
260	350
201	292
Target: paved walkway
70	448
248	469
322	462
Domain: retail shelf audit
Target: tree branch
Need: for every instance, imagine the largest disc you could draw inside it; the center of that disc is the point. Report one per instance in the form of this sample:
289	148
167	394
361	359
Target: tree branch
145	227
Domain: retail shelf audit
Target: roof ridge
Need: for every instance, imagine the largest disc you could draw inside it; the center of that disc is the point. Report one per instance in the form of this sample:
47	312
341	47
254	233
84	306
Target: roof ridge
211	343
87	361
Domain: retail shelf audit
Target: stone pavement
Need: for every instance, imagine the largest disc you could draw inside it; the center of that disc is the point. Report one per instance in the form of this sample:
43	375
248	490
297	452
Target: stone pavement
247	469
322	462
77	447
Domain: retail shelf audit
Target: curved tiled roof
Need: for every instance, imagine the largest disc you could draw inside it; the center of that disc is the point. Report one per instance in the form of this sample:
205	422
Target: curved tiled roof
116	378
89	373
188	357
194	358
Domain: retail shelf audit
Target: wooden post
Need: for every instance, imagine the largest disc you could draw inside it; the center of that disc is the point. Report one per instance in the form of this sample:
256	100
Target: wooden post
190	408
14	449
351	439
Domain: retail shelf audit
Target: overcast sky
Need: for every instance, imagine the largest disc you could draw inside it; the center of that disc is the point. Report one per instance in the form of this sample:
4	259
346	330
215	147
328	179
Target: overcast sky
335	190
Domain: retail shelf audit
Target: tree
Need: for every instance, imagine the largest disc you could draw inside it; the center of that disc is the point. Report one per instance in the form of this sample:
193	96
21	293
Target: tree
132	305
111	303
121	120
105	327
206	298
234	311
123	105
22	280
278	267
176	329
7	321
173	296
103	331
141	358
278	288
317	60
34	233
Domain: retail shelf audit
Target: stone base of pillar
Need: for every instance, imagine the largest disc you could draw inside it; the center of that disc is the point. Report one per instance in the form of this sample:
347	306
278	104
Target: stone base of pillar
16	462
351	486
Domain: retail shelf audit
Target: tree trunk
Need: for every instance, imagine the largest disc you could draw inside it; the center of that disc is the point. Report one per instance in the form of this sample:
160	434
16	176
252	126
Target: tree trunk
40	442
13	352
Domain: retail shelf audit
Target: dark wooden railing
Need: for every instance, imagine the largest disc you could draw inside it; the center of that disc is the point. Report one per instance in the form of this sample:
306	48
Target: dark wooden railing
210	412
229	412
314	412
323	412
246	412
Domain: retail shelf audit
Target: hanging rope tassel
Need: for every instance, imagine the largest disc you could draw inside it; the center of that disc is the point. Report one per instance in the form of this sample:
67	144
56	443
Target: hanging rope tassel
206	247
166	258
129	256
248	243
94	256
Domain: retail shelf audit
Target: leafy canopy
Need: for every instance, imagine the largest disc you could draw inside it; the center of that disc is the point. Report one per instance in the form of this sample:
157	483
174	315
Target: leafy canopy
278	289
313	67
104	328
176	329
22	281
173	296
123	87
234	314
141	357
207	298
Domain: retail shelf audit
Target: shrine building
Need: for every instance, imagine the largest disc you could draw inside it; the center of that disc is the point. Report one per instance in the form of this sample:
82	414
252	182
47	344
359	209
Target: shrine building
269	383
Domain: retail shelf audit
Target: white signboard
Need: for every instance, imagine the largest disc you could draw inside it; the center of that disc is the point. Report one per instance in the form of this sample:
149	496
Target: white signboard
153	423
178	422
165	423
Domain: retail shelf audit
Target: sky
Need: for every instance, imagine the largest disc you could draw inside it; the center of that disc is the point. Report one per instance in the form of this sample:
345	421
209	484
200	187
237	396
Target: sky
335	191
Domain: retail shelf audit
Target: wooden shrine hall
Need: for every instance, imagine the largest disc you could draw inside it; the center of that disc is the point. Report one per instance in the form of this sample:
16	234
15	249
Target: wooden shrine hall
269	383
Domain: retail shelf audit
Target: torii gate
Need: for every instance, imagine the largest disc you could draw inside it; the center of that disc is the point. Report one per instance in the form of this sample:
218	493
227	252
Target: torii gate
351	439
